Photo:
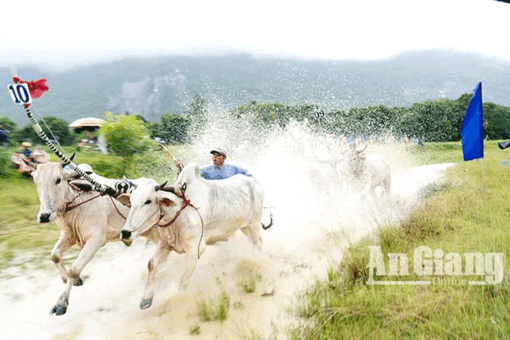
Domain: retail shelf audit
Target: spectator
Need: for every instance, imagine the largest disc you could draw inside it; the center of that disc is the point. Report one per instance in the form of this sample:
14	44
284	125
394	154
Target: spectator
26	151
21	157
81	145
3	135
40	156
92	138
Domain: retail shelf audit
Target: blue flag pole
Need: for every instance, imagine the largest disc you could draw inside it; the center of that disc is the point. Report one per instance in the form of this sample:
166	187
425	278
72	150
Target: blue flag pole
472	132
472	128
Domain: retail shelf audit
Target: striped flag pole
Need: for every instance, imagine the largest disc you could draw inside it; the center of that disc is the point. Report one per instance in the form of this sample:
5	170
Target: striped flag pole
103	188
67	161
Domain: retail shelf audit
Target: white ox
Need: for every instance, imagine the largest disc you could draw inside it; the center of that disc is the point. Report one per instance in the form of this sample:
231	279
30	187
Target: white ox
368	173
84	219
216	210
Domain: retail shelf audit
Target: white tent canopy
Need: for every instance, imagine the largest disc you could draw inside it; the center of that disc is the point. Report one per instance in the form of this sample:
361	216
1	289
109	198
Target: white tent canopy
89	121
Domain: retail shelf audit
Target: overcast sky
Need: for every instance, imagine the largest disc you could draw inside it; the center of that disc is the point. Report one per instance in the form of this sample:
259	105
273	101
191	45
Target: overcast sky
67	33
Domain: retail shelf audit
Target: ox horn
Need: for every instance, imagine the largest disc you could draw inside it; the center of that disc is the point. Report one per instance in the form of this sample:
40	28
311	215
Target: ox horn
30	163
70	160
160	186
176	191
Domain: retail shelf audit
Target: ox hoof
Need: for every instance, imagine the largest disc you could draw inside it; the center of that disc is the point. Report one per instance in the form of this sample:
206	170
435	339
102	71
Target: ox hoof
146	303
127	242
59	310
78	282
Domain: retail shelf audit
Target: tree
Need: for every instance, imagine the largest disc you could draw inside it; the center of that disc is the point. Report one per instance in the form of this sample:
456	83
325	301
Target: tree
142	118
434	121
55	128
496	121
265	115
8	124
172	129
126	136
198	107
9	129
464	100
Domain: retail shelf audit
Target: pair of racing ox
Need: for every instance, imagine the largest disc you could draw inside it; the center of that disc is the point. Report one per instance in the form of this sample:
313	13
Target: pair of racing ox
184	218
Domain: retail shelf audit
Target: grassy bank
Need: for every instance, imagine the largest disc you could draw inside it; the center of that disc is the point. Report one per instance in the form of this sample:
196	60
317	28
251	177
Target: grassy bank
466	214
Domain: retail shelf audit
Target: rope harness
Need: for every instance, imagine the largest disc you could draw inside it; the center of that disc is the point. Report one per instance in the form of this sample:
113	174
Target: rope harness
177	214
71	205
186	203
115	205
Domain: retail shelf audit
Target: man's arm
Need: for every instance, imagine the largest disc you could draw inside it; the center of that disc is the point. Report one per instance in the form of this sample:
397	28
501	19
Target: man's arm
179	165
243	170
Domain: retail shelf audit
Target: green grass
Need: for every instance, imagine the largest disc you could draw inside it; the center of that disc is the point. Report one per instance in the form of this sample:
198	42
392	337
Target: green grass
210	309
249	283
434	153
194	330
19	229
468	213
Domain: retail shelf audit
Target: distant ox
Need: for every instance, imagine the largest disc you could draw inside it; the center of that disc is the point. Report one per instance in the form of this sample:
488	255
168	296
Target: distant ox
367	173
191	214
84	217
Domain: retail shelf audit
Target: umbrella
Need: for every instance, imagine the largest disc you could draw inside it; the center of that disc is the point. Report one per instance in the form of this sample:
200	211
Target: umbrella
87	122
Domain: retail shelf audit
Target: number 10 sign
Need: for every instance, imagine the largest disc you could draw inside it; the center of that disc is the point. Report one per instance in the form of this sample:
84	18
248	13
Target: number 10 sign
20	93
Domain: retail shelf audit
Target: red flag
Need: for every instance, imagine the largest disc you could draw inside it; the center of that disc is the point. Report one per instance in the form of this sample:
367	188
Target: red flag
36	87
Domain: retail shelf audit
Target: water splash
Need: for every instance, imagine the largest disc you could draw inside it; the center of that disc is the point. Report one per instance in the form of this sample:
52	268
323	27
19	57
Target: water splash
299	167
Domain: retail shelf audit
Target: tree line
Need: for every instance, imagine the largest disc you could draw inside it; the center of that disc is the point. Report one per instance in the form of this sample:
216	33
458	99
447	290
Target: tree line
437	120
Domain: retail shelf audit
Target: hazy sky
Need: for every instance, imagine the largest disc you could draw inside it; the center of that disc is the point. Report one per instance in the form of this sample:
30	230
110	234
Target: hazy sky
67	33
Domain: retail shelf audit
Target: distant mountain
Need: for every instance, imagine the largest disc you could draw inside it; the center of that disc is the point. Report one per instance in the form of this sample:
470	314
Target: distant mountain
154	86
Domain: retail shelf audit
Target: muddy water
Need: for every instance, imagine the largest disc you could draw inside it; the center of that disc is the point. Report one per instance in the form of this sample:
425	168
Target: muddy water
314	222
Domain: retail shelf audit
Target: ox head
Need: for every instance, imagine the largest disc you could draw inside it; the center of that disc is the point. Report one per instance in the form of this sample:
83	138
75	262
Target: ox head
51	181
356	158
148	204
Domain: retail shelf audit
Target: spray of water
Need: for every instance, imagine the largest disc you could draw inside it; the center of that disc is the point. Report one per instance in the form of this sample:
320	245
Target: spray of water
300	168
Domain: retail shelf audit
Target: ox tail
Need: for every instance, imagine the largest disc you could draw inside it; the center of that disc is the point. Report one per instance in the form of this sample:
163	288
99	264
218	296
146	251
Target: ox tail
270	222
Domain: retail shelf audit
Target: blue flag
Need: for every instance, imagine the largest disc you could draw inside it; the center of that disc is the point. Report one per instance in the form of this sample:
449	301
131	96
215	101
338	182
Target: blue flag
472	127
